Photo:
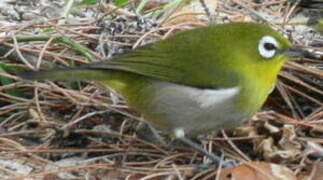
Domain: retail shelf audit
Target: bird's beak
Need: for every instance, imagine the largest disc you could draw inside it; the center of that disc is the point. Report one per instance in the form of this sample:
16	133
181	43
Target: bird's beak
295	51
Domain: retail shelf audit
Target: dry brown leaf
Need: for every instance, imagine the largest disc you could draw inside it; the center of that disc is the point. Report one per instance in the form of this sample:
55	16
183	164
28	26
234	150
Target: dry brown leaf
257	171
289	141
312	173
287	149
267	148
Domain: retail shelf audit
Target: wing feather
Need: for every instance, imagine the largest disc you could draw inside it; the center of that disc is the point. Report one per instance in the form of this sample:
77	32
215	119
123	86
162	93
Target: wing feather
186	59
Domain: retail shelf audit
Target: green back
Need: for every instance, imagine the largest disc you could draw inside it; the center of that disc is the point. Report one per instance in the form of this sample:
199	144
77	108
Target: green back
205	57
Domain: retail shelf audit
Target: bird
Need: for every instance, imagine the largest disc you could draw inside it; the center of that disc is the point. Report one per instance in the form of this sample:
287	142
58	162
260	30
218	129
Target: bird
193	82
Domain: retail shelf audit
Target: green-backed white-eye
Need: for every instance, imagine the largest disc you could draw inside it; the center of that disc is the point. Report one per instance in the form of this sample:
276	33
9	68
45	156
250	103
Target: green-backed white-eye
195	81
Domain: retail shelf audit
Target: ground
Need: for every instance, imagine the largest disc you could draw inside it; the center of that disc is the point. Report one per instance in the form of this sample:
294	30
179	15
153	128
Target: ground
82	130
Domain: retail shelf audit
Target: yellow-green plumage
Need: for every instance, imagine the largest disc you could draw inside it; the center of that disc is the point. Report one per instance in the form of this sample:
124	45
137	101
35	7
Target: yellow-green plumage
198	81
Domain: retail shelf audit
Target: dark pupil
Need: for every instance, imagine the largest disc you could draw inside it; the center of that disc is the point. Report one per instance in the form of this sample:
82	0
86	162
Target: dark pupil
269	46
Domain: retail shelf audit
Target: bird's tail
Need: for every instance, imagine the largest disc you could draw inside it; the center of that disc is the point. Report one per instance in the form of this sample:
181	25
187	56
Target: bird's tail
118	80
67	74
311	4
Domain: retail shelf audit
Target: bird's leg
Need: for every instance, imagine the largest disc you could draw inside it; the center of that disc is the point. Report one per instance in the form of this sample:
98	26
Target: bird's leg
147	132
215	159
180	135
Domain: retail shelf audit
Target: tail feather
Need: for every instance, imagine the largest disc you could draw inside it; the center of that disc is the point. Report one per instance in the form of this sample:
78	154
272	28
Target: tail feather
312	4
66	74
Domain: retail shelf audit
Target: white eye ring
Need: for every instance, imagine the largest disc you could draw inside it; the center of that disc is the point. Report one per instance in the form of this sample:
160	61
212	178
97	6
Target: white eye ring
268	46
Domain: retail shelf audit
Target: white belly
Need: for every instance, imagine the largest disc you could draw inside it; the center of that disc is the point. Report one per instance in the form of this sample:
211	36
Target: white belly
194	110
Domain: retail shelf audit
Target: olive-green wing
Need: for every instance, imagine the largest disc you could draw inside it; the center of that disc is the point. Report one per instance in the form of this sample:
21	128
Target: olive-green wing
186	58
147	61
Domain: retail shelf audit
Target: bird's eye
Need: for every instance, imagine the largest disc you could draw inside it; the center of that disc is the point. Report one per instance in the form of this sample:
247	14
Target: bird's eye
268	46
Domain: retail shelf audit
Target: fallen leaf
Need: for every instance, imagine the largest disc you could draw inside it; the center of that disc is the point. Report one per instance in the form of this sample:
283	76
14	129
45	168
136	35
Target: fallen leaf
257	171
